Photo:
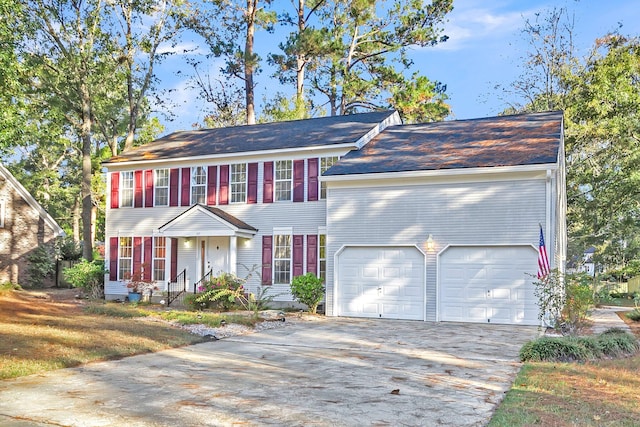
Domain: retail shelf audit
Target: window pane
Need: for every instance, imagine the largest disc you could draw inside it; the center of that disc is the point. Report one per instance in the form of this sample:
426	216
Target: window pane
283	180
161	187
326	163
238	183
282	259
159	252
198	185
126	189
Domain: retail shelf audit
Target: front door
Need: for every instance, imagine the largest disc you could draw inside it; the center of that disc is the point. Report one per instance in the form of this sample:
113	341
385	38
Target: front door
218	259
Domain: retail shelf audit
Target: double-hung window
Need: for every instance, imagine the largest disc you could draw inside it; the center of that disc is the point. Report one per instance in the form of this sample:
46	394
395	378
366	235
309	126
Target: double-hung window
126	189
282	258
198	185
159	254
125	257
322	256
161	187
283	179
326	163
238	183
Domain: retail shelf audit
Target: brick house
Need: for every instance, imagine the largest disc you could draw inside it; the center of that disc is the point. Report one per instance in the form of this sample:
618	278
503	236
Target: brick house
24	225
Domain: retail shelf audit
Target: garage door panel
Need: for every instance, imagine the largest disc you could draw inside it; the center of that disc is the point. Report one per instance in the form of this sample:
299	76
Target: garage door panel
388	282
488	284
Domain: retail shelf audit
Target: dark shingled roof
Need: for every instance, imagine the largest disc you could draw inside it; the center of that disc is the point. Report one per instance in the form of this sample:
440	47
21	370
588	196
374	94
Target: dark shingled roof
268	136
524	139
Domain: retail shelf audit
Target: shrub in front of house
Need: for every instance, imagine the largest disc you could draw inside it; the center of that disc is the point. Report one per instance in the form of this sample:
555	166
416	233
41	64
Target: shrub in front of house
309	290
634	315
87	275
611	343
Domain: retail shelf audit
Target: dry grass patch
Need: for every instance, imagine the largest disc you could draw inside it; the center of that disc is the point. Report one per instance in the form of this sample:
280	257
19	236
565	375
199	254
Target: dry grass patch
600	393
40	332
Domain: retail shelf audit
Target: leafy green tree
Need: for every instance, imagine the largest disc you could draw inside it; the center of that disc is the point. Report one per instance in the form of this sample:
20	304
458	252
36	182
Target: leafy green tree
420	100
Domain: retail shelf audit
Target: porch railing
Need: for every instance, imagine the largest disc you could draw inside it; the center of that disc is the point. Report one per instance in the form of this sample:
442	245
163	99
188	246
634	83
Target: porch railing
177	288
204	279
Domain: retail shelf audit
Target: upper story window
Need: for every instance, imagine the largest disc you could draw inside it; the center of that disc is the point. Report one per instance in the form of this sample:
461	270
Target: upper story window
161	187
198	185
238	183
125	258
326	163
283	179
126	189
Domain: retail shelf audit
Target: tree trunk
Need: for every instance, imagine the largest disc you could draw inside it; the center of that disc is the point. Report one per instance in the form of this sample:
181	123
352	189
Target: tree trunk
85	187
76	220
300	59
248	62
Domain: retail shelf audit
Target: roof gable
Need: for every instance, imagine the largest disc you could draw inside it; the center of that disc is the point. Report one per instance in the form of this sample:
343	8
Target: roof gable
324	131
48	219
525	139
201	220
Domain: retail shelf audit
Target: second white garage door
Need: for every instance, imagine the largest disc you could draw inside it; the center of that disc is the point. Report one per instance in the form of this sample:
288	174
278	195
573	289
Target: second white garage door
488	284
381	282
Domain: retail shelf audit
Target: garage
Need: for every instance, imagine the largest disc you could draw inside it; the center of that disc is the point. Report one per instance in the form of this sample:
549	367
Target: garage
488	285
381	282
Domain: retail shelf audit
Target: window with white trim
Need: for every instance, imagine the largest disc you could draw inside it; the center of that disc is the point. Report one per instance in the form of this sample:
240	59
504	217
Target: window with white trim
125	257
322	256
161	187
282	259
283	182
198	185
159	256
326	163
126	189
238	183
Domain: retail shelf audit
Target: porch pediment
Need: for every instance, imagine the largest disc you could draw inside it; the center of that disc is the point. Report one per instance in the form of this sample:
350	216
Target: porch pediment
201	220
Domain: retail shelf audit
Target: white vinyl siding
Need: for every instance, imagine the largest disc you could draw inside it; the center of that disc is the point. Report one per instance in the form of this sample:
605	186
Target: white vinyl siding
198	185
463	213
126	189
125	257
238	183
283	180
282	261
161	187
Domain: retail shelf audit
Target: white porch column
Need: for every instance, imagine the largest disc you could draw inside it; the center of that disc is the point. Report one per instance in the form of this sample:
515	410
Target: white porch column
233	254
167	262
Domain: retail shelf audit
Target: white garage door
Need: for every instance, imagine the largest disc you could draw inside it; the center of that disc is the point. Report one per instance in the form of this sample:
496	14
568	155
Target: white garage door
488	284
382	282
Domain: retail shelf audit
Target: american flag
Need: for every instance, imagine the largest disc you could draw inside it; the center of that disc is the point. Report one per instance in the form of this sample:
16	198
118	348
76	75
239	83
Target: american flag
543	259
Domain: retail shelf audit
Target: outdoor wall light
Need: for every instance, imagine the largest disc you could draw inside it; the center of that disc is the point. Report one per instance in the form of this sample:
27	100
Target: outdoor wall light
187	243
431	245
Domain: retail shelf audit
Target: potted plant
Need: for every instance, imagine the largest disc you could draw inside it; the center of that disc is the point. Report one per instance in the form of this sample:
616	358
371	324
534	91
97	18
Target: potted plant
139	286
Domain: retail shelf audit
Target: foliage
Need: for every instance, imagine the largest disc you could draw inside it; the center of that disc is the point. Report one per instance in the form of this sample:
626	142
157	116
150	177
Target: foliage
564	300
309	290
68	249
114	310
420	100
88	275
611	343
8	286
633	315
223	289
42	264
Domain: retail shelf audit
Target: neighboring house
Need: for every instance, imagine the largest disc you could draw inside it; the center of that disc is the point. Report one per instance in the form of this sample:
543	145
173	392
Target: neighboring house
429	222
24	225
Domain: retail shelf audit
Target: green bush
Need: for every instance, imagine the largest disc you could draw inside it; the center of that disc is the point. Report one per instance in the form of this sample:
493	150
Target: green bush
87	275
309	290
191	302
8	286
42	264
612	343
634	315
222	291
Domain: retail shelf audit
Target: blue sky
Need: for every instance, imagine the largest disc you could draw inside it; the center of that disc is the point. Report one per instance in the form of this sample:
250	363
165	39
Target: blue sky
484	49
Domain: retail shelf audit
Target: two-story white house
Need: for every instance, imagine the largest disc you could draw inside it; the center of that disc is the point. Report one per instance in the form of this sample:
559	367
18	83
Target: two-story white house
429	222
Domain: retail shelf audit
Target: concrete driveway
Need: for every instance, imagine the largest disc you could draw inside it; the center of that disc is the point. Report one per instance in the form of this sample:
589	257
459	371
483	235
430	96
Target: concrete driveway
325	372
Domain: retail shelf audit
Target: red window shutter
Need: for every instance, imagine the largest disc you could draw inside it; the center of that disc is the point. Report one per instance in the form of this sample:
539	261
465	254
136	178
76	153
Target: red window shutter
252	186
267	259
174	258
113	258
174	185
186	187
267	197
312	192
137	188
298	180
137	254
211	185
224	185
148	260
148	188
298	256
312	254
115	190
